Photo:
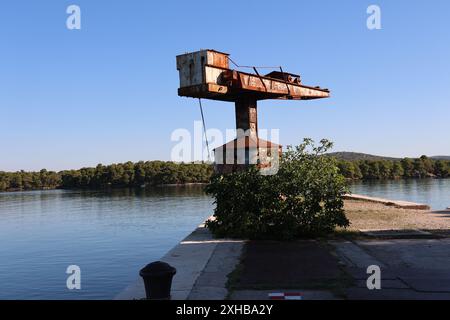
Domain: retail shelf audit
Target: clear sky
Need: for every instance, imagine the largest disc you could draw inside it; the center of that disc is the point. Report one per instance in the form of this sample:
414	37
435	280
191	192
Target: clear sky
108	93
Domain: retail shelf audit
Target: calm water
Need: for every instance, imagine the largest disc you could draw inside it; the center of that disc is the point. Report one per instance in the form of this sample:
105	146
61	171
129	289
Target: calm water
109	235
434	192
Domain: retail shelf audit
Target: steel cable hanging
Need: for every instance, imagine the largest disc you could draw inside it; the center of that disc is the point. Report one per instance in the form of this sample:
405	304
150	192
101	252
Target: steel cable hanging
262	67
252	67
204	129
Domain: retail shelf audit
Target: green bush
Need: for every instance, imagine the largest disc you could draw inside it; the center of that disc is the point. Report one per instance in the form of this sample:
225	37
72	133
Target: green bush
303	199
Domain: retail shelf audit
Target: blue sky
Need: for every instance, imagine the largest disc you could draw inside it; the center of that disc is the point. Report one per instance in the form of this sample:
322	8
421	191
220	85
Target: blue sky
108	93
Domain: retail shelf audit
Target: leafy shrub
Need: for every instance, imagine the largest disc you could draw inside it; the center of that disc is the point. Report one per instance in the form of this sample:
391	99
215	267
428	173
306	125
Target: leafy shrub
303	199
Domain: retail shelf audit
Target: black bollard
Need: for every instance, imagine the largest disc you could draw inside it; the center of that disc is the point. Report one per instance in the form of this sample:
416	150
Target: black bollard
158	280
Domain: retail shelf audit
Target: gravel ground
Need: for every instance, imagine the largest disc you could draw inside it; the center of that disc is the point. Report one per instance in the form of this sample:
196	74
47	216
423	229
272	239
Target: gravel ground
374	216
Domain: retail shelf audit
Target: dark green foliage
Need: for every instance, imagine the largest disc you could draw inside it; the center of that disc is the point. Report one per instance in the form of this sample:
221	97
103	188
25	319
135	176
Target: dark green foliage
150	173
422	167
128	174
304	198
22	180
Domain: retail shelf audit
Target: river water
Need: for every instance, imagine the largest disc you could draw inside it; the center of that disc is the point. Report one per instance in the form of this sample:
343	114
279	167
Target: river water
434	192
109	235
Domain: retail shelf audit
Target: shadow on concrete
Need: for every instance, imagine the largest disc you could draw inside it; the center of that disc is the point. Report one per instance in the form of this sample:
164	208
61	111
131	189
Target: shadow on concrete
410	268
299	264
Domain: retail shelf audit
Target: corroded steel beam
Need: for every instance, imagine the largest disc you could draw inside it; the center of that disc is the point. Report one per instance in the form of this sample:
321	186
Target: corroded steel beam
232	84
270	88
206	74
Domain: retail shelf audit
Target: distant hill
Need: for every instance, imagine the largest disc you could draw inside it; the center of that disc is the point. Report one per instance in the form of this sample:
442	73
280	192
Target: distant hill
441	157
355	156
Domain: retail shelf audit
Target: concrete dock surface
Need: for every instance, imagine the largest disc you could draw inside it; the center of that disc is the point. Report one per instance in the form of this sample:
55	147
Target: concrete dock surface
414	269
395	203
410	268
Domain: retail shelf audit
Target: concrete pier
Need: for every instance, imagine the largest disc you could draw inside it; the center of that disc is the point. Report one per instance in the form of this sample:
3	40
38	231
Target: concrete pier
202	264
395	203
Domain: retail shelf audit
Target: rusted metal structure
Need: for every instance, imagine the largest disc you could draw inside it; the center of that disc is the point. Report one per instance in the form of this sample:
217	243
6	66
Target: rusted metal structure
207	74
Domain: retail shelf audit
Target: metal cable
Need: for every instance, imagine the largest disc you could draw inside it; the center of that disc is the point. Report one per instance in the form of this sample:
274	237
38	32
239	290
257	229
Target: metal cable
251	67
204	129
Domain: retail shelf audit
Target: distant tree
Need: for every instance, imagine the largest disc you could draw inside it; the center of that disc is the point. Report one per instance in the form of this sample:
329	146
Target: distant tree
364	168
428	164
408	167
4	181
385	169
442	168
397	170
420	170
374	170
16	181
139	173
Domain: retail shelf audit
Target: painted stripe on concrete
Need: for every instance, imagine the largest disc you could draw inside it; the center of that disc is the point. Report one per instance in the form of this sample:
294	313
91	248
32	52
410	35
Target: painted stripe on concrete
285	296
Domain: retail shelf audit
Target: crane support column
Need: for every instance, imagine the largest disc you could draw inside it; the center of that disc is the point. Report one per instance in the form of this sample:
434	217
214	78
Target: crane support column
246	116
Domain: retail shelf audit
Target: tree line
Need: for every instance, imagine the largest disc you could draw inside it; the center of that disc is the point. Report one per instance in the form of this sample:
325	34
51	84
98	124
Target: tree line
422	167
152	173
129	174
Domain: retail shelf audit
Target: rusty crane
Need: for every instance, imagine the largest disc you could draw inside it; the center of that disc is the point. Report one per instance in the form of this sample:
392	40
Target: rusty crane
207	74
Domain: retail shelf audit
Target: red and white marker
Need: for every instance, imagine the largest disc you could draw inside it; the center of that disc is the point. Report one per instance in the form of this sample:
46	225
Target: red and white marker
285	296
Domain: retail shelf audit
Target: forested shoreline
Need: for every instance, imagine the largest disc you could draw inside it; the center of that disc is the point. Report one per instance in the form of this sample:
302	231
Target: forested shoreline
422	167
123	175
154	173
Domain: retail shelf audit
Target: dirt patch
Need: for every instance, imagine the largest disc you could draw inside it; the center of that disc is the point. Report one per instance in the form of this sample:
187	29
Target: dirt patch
375	216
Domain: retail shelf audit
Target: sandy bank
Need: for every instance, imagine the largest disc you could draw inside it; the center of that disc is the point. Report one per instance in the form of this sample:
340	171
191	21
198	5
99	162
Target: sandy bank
365	215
